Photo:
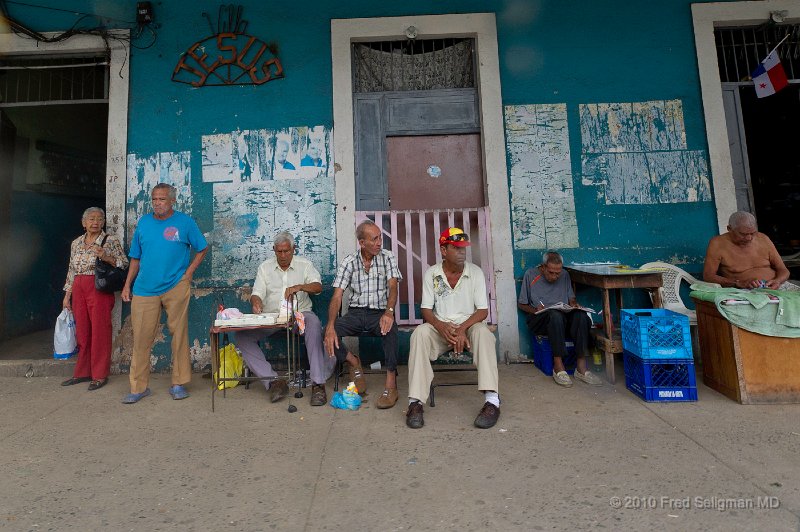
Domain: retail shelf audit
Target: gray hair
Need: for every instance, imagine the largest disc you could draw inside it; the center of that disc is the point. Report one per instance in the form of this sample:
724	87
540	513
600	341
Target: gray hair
172	191
283	237
362	228
552	257
90	210
742	220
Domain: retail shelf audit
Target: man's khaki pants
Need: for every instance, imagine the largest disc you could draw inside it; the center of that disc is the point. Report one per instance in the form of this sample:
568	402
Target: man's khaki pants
427	344
146	320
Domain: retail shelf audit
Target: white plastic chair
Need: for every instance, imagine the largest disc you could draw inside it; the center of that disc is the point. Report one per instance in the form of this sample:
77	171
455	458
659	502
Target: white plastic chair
791	261
671	291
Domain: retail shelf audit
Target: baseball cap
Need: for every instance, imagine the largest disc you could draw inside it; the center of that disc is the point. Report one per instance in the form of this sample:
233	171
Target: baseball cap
454	236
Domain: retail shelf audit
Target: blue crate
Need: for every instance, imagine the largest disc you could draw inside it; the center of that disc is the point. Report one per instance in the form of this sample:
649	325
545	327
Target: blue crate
656	333
662	380
543	356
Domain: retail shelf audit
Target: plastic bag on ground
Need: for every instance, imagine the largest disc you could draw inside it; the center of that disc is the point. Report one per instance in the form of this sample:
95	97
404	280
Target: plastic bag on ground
65	343
346	400
231	366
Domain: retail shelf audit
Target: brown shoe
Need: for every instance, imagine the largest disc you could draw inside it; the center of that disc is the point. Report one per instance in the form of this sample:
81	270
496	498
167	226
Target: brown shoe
488	416
318	395
387	399
414	418
357	377
278	390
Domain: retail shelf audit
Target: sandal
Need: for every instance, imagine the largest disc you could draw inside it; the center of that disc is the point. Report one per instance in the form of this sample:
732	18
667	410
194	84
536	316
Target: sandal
96	385
75	380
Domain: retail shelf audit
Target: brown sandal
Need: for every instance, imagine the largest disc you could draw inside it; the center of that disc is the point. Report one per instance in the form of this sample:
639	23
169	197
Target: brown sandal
96	385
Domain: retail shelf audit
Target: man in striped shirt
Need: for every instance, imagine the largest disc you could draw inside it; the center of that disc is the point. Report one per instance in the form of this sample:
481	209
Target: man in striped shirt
371	273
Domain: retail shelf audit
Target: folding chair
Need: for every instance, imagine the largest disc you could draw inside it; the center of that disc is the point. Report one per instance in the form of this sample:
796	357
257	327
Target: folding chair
451	359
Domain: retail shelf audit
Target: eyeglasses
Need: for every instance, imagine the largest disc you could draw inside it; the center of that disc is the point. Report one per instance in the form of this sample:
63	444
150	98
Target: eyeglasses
460	237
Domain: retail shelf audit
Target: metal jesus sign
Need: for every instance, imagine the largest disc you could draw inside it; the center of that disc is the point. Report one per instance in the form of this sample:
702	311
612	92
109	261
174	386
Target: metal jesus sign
229	56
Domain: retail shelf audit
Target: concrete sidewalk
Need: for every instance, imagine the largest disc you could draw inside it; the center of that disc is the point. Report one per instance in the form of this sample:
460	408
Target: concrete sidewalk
558	459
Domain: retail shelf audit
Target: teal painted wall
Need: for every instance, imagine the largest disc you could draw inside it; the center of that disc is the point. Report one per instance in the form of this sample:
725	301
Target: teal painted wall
603	51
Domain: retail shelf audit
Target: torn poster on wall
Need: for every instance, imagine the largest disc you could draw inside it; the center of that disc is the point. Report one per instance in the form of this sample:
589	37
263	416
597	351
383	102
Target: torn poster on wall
542	199
248	216
265	155
636	154
145	172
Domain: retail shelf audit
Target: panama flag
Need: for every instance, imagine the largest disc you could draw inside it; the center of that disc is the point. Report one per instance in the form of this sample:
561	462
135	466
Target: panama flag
769	77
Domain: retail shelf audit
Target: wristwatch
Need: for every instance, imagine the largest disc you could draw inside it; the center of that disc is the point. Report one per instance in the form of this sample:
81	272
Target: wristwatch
390	310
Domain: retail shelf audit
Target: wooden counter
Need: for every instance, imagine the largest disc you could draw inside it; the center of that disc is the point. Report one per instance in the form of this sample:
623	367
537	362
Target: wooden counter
747	367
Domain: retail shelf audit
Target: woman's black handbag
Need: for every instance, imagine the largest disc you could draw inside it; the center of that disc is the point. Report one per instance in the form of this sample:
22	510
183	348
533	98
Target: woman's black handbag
108	278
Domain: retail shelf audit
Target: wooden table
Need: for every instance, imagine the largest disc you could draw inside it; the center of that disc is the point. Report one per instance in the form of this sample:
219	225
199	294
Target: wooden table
292	354
609	277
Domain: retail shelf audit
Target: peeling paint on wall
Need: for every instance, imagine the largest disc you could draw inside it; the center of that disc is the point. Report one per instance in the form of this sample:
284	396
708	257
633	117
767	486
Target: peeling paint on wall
636	154
542	200
199	354
264	155
247	217
145	172
217	158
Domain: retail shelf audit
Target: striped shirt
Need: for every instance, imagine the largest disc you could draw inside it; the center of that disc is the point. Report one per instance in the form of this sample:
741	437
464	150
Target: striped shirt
369	289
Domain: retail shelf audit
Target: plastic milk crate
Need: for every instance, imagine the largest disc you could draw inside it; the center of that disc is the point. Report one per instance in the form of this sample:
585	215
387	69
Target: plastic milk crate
543	356
660	379
656	333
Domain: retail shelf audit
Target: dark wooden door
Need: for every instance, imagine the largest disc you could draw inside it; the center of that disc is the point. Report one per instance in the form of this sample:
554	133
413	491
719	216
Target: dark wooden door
435	172
7	135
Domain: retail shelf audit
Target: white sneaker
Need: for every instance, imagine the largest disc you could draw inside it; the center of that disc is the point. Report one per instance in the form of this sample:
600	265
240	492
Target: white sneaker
562	378
589	378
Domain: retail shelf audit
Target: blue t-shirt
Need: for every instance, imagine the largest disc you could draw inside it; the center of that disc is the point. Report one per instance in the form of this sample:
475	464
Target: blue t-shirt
163	248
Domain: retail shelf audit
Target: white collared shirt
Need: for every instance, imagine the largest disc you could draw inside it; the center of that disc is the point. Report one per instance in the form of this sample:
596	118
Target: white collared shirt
271	282
454	304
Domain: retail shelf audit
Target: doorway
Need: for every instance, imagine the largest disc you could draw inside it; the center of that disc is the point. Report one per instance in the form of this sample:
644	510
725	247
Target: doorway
762	131
418	151
481	28
53	133
770	126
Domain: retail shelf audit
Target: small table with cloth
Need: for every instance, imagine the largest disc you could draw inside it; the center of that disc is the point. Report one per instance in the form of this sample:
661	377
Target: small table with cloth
292	353
749	342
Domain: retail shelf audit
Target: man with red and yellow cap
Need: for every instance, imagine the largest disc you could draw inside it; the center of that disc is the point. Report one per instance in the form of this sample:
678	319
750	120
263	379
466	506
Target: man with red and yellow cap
454	306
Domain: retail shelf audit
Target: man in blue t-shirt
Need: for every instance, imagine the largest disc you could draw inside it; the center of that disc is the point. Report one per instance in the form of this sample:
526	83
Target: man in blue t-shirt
160	275
547	285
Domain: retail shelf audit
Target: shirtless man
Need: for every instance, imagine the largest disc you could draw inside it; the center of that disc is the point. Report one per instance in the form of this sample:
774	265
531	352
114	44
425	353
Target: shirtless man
743	257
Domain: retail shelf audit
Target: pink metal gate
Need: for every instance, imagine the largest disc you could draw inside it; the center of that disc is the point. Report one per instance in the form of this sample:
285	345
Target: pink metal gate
413	238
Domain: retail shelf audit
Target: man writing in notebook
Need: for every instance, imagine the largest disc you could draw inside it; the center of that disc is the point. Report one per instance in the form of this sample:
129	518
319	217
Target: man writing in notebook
546	285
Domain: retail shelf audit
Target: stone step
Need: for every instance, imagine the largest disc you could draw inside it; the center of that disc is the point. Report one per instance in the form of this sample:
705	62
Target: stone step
37	367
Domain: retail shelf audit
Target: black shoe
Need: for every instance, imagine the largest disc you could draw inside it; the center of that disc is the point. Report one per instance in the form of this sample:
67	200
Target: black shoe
414	419
96	385
75	380
278	390
318	395
488	416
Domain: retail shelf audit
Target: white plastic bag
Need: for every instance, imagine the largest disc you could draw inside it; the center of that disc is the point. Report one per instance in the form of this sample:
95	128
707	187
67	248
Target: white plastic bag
65	343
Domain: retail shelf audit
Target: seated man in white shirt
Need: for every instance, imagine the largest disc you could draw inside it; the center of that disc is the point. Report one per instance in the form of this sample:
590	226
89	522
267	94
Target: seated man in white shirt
278	279
454	305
